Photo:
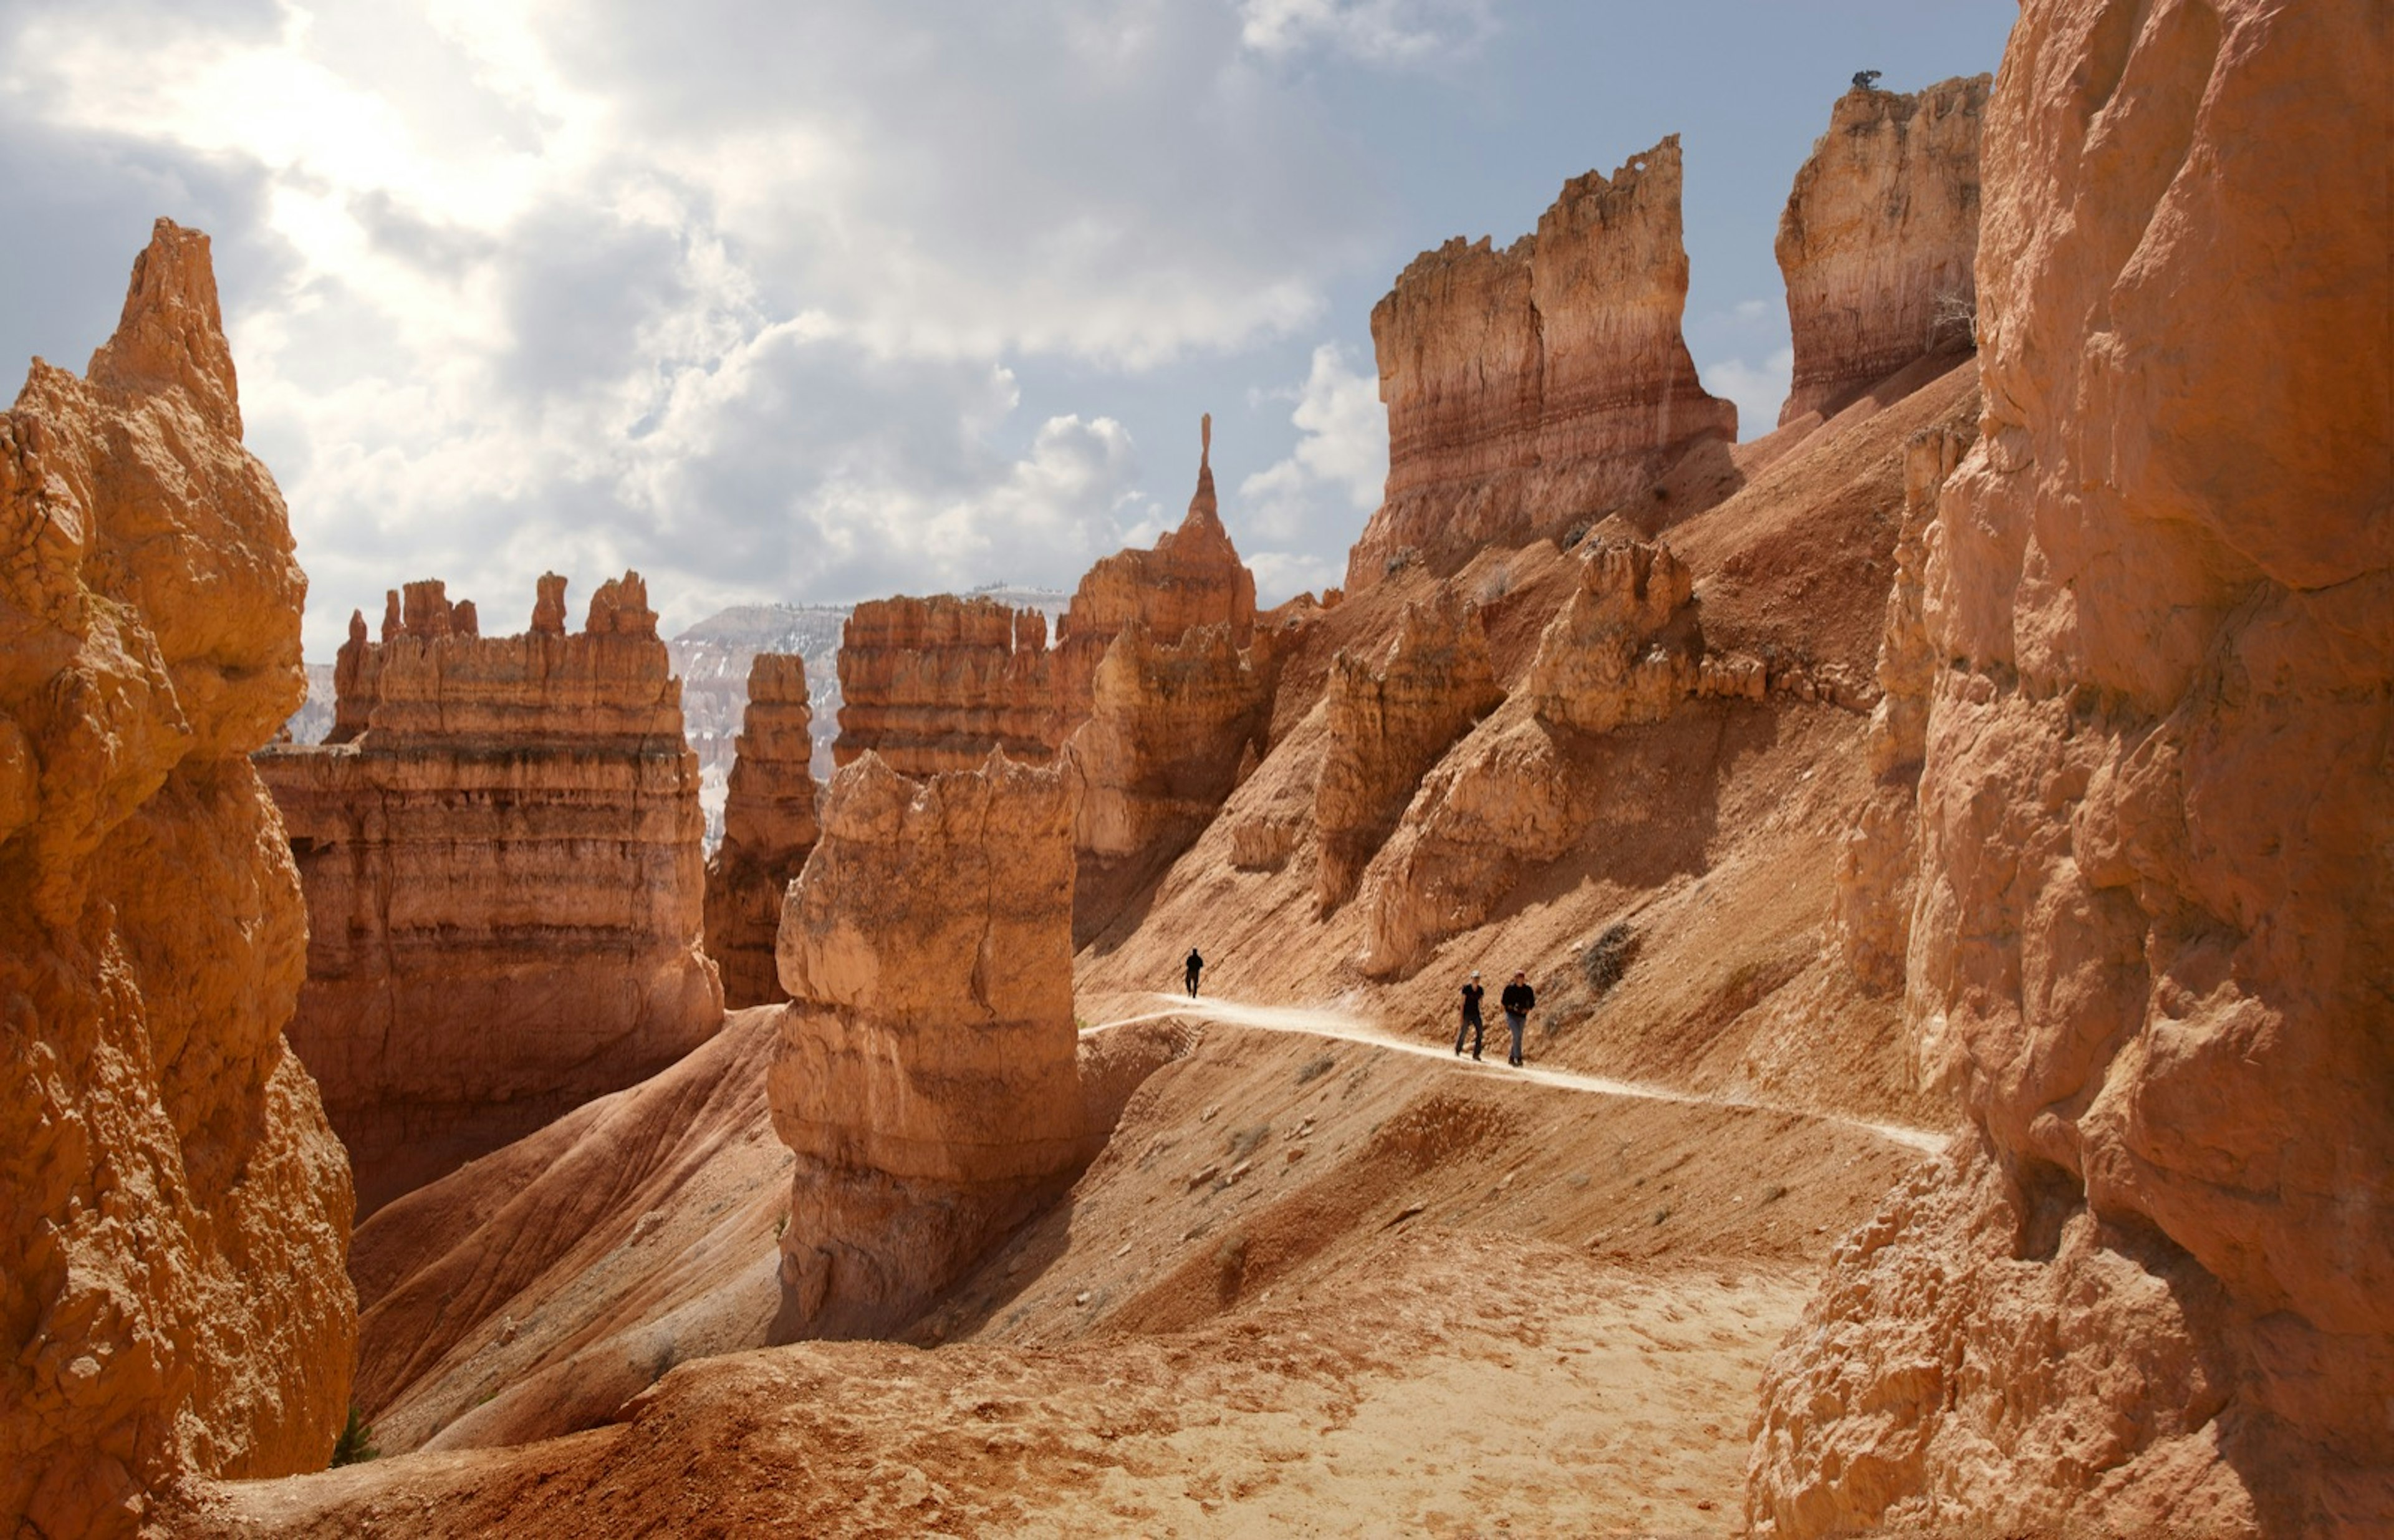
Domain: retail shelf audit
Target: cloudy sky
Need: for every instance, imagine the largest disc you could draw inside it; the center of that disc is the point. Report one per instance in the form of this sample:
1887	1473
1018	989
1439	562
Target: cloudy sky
824	300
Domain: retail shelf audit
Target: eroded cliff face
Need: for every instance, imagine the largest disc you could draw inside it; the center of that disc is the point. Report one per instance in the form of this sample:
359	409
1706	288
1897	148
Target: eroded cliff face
768	829
1541	385
926	1074
1878	239
1390	718
935	684
1625	650
2152	1287
172	1290
1170	725
504	877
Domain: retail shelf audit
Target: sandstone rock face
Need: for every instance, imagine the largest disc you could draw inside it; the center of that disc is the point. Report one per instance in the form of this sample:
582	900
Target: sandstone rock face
504	877
1870	919
2154	1287
768	829
1541	385
1170	725
1391	718
1625	647
934	684
1193	577
176	1213
1878	238
926	1073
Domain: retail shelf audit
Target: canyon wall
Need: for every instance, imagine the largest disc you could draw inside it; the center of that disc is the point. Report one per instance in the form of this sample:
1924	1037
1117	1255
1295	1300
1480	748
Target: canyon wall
934	684
768	828
2151	1289
1391	715
926	1073
174	1212
1878	239
503	878
1541	385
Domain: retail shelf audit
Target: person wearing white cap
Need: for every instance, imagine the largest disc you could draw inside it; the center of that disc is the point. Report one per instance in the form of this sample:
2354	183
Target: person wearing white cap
1471	1026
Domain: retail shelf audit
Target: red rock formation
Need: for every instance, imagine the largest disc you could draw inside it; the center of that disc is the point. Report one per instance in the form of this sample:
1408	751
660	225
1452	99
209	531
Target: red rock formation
2152	1289
1170	724
1193	577
1877	240
934	684
504	879
768	829
925	1075
1391	715
1539	385
172	1296
1625	647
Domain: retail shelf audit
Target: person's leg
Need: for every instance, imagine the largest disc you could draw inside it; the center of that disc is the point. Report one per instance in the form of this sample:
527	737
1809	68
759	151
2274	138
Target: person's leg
1462	1030
1514	1023
1478	1035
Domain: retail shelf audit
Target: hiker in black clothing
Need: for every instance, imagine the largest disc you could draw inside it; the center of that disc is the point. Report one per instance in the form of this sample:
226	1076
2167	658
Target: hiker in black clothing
1518	1000
1196	966
1472	1023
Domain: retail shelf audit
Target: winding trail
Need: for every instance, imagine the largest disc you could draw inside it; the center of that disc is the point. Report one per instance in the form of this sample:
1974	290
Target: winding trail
1323	1021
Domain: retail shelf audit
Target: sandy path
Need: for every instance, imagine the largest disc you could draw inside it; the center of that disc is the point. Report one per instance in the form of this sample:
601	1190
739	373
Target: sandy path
1324	1021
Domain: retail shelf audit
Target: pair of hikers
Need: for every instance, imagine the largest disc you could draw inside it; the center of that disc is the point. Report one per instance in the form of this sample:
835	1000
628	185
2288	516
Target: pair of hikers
1517	1001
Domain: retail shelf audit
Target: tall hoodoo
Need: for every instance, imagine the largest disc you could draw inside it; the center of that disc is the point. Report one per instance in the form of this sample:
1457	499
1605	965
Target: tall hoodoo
504	879
176	1214
1193	576
1539	385
2151	1289
1878	239
925	1075
768	828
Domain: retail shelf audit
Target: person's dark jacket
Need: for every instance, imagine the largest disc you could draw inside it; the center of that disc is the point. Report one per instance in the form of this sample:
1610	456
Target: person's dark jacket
1519	998
1471	995
1195	962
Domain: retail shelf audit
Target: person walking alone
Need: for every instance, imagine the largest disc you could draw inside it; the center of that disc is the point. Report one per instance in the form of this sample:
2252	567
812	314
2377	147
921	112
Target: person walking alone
1472	1026
1518	1000
1196	964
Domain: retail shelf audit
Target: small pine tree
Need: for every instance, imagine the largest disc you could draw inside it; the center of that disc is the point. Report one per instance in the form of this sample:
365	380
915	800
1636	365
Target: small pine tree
356	1445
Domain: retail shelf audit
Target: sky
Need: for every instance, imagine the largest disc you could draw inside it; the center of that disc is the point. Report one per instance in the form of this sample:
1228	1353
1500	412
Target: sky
820	301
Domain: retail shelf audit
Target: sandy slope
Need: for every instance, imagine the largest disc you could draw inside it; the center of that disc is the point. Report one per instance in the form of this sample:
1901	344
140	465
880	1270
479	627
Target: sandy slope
1316	1285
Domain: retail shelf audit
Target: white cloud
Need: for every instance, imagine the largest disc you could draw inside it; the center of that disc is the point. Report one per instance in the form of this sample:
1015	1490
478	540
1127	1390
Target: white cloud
1759	389
1341	453
1398	32
727	292
1303	511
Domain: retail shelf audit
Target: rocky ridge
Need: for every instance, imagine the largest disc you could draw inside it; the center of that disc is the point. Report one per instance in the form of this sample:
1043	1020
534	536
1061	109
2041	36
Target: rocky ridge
1541	385
501	854
172	1296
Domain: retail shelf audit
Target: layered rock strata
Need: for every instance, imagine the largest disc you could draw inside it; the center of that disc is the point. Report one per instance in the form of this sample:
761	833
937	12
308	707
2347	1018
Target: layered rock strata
177	1213
1539	385
926	1071
1391	715
2151	1289
1879	239
935	684
504	877
1624	647
768	829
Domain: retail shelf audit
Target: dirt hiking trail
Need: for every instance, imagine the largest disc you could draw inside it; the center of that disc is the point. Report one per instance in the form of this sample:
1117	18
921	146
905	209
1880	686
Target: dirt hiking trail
1333	1021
